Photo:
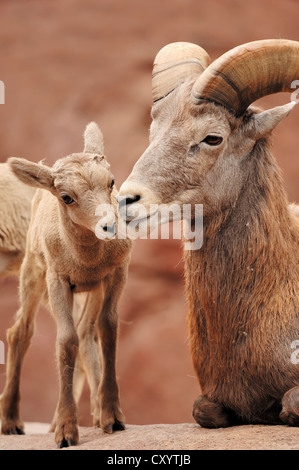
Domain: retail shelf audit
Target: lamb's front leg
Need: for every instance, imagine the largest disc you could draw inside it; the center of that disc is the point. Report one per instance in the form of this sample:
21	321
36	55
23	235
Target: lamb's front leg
112	417
66	417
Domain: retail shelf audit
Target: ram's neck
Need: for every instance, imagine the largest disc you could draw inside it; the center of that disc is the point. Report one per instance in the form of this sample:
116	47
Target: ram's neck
247	251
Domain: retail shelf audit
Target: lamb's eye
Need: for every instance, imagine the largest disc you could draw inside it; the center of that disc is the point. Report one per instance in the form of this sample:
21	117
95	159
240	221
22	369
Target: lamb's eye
67	199
112	183
212	140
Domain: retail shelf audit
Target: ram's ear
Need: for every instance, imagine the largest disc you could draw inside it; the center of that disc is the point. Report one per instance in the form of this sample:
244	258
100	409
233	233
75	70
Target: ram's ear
33	174
263	123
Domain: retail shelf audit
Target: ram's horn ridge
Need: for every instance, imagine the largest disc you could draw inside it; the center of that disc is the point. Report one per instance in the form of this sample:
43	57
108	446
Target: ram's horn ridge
248	72
175	63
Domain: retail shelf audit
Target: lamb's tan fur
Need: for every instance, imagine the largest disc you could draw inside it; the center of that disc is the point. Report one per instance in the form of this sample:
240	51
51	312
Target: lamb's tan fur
64	257
15	210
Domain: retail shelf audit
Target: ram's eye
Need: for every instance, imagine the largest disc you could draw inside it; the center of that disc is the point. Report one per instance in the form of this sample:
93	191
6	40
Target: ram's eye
67	199
212	140
112	183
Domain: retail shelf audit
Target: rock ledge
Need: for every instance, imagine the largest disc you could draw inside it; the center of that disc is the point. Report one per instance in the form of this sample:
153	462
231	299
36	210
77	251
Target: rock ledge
186	436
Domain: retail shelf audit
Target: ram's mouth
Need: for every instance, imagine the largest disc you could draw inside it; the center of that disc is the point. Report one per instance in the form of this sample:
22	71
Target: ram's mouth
139	220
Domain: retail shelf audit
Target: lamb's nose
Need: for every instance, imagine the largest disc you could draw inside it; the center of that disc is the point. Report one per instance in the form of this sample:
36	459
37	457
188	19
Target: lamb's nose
109	228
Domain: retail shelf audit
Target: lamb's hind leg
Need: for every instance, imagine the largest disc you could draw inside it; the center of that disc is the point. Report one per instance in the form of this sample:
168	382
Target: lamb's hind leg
103	386
290	407
88	347
210	414
32	286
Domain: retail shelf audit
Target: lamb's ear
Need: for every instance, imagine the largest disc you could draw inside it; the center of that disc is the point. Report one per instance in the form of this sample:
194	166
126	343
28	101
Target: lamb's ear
93	139
263	123
33	174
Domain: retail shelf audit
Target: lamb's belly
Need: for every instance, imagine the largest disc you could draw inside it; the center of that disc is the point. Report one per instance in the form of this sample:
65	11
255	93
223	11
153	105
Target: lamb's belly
84	287
85	283
88	280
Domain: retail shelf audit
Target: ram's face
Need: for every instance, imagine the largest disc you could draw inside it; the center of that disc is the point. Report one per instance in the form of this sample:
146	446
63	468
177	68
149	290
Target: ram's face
203	127
180	165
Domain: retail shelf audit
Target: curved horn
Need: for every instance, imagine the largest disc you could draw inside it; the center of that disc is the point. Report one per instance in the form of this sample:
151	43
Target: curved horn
174	63
249	72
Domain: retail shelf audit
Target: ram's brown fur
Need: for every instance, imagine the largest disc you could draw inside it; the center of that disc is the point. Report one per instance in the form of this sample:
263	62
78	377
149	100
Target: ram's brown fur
243	284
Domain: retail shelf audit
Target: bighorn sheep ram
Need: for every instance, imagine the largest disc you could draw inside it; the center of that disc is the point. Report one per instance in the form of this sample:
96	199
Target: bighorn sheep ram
63	258
15	210
209	146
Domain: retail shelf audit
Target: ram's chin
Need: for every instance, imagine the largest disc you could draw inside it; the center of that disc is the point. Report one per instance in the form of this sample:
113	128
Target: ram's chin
141	228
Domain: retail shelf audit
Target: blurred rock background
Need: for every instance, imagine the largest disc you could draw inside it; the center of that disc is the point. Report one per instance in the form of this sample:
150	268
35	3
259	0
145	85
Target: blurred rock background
67	62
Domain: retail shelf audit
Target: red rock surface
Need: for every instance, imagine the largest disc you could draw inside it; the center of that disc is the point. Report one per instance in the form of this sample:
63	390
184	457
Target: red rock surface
179	437
65	63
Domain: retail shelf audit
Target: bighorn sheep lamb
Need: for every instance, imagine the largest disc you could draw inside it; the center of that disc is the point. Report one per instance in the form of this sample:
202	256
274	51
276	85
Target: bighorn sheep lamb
209	146
15	210
63	258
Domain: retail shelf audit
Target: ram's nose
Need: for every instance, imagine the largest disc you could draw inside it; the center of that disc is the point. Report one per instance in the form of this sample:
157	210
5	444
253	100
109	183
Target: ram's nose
127	199
126	205
130	192
135	200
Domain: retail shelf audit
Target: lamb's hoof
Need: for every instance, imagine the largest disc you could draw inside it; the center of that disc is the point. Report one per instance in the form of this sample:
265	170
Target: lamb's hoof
116	426
12	426
66	443
119	426
14	430
66	434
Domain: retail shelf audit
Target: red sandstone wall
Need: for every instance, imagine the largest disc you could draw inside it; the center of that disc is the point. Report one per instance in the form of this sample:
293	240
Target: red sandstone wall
65	63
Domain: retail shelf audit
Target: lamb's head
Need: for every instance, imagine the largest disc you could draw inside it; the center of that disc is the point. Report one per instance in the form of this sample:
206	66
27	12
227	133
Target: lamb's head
81	182
203	127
